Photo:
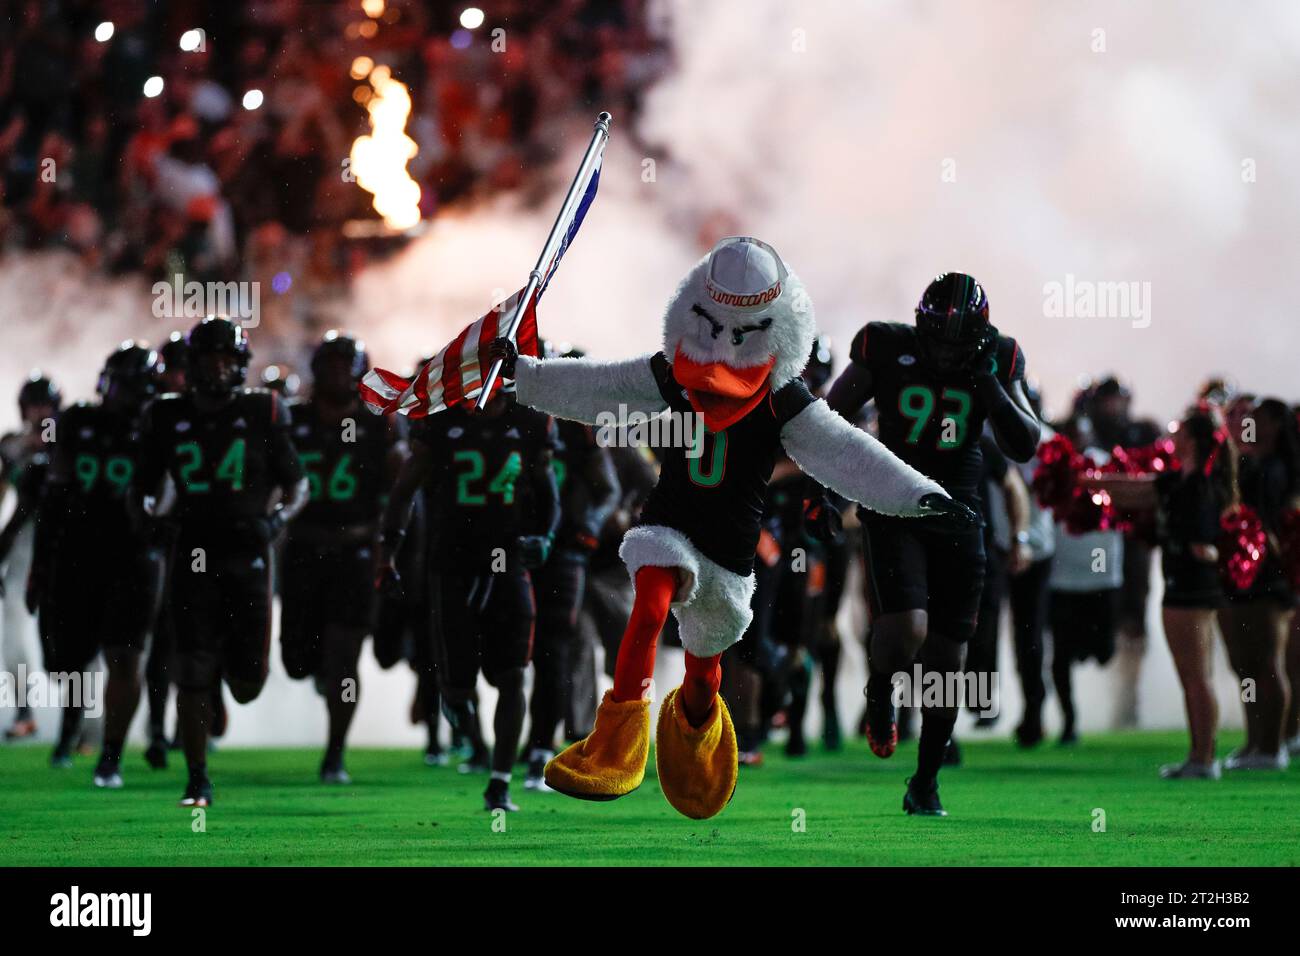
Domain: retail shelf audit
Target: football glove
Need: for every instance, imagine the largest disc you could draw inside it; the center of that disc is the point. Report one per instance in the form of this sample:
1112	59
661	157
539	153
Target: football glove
946	515
821	519
981	361
534	549
504	349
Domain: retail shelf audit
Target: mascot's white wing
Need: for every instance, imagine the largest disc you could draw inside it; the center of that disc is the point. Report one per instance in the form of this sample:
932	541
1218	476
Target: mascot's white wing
852	463
581	389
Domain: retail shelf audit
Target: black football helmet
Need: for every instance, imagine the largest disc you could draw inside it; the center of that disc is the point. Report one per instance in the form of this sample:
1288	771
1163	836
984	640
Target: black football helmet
39	389
217	336
952	321
130	375
351	350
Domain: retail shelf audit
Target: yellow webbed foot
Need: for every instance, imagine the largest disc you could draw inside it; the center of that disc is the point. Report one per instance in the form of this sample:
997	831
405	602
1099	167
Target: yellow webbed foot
610	762
697	765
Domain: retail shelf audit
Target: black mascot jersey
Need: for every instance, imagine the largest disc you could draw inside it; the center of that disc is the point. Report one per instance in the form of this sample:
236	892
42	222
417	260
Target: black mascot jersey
931	420
225	463
716	498
346	464
476	502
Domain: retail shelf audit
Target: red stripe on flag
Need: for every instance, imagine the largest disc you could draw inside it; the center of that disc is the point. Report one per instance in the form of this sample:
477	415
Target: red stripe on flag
452	392
526	334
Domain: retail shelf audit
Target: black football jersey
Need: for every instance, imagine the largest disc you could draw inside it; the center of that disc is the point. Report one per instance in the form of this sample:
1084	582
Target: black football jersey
577	445
346	464
94	460
476	497
929	419
225	464
717	498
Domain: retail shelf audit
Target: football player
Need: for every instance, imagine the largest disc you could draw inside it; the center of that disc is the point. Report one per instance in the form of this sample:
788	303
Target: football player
494	510
101	593
588	485
24	460
934	384
350	459
225	451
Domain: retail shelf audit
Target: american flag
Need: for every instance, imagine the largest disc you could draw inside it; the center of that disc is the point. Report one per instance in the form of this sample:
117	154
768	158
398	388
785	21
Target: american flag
456	373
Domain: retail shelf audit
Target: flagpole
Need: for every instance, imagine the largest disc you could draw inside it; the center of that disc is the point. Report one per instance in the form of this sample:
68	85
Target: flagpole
598	137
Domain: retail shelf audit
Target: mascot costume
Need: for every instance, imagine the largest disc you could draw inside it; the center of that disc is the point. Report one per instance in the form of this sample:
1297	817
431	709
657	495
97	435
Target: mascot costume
737	334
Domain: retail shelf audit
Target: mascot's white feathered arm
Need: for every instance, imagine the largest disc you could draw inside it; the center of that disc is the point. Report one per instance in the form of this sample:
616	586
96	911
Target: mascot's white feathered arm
581	389
854	464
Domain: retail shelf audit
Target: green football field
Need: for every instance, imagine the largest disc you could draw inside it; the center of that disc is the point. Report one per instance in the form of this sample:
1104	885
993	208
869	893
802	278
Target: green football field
1007	808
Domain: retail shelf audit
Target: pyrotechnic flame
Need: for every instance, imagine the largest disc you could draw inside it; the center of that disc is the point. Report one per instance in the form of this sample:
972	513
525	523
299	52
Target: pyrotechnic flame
379	159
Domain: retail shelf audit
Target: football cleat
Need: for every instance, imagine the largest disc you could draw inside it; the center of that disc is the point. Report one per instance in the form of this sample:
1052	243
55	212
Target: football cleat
108	777
1191	770
156	753
1257	760
881	723
497	797
333	771
1029	734
476	762
536	778
198	792
922	799
61	759
435	756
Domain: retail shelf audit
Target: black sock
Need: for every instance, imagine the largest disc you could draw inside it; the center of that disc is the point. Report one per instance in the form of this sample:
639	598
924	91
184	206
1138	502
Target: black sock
198	769
112	751
936	731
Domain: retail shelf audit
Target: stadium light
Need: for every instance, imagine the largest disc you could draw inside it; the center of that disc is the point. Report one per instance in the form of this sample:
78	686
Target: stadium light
190	40
252	99
361	67
104	32
153	86
471	18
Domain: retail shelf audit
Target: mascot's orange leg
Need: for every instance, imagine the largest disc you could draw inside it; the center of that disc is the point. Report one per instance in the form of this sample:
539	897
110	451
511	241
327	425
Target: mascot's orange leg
611	761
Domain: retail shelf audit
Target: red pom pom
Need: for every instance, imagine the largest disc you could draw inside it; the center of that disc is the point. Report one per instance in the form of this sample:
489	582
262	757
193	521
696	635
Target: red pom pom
1242	545
1059	484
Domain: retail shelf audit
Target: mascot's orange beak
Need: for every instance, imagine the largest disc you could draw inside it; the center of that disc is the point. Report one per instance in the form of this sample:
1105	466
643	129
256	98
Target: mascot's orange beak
722	394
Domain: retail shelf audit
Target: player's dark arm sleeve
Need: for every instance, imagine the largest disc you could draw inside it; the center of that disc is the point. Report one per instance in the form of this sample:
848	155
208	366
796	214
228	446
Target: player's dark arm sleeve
591	496
546	490
285	464
415	471
150	469
853	389
1016	428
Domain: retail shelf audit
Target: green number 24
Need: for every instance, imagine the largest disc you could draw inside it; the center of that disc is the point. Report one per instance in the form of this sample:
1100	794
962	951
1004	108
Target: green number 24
502	484
230	470
916	403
